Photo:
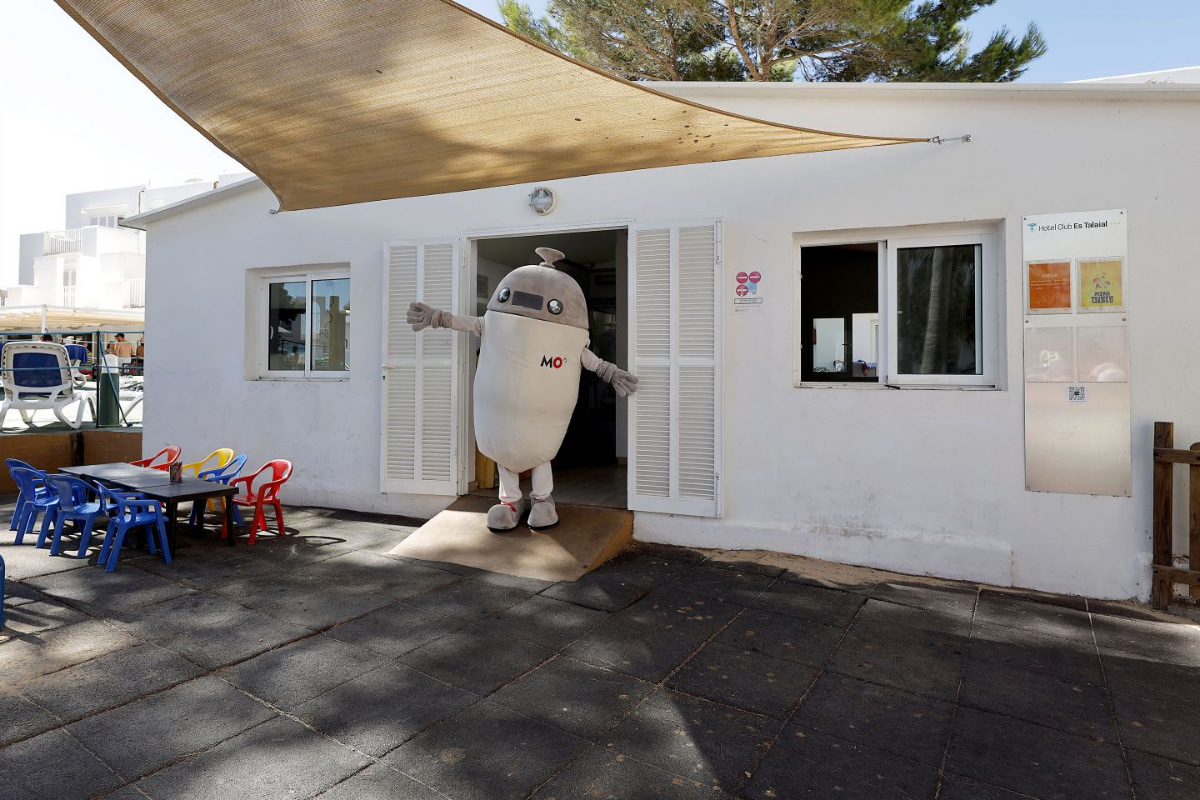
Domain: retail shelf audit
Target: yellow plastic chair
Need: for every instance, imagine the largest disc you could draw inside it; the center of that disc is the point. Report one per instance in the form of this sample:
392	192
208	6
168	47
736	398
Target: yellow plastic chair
223	456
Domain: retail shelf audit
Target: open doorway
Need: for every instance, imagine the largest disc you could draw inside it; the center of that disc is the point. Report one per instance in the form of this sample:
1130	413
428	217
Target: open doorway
590	468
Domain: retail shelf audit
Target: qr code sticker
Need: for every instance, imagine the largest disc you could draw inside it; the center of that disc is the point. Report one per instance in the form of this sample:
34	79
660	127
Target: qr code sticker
1077	394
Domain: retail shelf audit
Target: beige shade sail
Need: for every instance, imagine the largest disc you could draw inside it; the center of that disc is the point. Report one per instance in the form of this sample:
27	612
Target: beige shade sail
345	101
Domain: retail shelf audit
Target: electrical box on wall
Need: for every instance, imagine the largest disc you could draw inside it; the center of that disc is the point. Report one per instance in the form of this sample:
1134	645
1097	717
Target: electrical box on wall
1077	422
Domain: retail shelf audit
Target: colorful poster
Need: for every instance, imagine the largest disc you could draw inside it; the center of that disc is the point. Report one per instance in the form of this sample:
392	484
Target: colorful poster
1049	287
1101	284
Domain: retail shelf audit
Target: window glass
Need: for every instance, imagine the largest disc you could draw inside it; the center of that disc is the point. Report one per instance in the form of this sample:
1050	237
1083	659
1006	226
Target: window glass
938	310
286	319
330	325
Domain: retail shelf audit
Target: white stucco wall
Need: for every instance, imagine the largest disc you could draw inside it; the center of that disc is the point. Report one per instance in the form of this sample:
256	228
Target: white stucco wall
921	481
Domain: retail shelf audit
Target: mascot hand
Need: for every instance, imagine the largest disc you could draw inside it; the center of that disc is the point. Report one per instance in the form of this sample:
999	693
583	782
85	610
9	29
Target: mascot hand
624	383
421	316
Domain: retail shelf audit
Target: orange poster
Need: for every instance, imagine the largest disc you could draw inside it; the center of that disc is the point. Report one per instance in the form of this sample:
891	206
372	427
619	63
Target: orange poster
1049	287
1101	284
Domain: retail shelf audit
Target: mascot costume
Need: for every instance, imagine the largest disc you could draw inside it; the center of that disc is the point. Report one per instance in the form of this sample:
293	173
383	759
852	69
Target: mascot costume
533	342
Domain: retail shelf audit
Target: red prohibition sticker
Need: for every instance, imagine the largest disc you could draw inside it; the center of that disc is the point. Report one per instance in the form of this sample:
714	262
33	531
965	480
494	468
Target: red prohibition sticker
755	277
742	277
742	291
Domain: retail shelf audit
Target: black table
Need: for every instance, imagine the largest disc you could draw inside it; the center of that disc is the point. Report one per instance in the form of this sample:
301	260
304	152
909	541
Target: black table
156	484
115	472
197	491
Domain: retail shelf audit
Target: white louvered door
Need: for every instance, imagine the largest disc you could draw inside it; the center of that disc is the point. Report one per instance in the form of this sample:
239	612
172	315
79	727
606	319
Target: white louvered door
419	432
675	350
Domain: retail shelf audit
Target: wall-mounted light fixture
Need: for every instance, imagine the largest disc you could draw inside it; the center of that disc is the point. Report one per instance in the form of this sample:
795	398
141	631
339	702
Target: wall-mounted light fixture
542	200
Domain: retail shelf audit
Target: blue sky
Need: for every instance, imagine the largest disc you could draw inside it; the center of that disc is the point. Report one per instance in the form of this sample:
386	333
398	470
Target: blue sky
1099	38
72	119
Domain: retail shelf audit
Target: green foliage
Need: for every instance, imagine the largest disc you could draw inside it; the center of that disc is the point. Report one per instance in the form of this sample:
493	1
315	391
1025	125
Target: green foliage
932	44
777	40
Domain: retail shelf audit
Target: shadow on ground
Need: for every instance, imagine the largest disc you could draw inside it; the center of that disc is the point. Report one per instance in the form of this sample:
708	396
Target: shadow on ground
315	665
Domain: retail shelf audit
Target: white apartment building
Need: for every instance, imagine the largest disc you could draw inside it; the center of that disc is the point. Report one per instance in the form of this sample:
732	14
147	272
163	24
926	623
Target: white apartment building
92	272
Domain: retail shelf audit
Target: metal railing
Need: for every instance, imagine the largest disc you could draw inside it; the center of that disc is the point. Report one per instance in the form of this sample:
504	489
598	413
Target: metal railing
55	242
115	389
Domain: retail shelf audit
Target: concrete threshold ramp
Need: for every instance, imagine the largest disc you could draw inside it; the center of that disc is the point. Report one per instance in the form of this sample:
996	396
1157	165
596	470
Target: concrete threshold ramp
584	538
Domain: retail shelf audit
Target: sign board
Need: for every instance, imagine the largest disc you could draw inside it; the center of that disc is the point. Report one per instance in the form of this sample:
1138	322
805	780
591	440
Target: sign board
746	297
1077	419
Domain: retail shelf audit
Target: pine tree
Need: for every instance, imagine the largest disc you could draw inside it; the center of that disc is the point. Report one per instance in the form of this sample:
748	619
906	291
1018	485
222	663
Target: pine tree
777	40
932	44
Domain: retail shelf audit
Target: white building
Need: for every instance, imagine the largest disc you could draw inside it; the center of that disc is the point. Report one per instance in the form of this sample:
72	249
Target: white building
909	451
91	273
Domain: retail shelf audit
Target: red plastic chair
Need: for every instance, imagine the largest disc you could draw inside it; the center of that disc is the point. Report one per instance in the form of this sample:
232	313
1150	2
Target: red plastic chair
171	452
268	494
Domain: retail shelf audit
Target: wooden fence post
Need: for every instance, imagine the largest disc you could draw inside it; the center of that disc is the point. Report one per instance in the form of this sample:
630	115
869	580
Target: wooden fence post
1164	437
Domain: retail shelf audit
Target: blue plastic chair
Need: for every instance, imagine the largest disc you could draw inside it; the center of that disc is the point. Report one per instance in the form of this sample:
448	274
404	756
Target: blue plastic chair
41	489
38	499
219	475
129	513
74	503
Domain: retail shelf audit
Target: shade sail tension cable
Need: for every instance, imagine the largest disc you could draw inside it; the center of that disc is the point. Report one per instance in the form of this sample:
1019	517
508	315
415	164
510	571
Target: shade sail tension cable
331	102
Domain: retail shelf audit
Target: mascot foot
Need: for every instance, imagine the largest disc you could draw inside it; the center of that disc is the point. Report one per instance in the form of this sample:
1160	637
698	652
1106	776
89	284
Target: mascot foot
504	517
543	514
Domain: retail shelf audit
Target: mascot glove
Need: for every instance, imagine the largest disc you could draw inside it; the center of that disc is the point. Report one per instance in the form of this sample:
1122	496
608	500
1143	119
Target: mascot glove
624	383
422	316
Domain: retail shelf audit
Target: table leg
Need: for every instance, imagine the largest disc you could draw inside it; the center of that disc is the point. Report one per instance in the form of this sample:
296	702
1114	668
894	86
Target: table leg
230	531
172	512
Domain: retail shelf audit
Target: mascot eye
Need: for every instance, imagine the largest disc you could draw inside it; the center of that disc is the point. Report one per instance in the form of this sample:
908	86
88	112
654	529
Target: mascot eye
555	306
503	296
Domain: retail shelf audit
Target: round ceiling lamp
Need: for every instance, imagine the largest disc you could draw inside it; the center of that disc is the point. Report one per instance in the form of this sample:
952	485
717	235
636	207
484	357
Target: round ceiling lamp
543	200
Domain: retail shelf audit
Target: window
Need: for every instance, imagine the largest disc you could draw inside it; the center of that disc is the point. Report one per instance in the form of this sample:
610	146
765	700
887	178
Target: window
308	325
106	220
899	311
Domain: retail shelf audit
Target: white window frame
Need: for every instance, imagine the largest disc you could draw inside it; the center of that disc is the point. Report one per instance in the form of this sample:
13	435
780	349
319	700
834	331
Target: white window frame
985	310
989	304
264	309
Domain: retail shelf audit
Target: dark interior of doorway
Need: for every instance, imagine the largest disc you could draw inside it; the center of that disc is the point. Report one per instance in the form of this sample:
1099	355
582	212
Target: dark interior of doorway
590	467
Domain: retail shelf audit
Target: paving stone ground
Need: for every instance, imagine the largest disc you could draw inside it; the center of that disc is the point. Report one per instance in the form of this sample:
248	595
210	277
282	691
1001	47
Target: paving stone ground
316	666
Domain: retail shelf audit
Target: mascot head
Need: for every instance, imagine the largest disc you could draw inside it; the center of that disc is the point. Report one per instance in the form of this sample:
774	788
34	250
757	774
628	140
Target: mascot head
542	292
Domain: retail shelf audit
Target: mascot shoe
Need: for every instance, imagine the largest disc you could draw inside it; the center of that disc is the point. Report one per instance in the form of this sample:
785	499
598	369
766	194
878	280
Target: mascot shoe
543	514
504	517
